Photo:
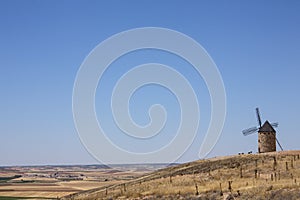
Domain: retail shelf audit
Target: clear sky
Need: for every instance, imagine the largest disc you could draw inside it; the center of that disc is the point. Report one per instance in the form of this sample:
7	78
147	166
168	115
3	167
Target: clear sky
255	44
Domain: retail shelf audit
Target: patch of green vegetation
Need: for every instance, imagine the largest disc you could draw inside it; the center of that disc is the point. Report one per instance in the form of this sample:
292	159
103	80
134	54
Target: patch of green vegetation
27	181
5	179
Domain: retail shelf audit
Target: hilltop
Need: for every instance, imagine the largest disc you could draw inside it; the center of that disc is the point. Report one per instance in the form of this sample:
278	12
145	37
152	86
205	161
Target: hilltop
253	176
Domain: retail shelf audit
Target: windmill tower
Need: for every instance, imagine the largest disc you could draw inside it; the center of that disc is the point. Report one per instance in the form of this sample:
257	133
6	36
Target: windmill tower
266	138
266	135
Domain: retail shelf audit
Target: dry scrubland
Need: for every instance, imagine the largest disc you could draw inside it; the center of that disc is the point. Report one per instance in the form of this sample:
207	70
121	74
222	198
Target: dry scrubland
52	182
260	176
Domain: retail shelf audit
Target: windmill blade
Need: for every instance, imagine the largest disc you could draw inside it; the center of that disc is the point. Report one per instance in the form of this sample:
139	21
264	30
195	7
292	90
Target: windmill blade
275	125
279	144
258	117
249	131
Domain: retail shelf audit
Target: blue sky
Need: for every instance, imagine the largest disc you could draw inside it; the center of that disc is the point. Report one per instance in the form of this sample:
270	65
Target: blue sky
255	45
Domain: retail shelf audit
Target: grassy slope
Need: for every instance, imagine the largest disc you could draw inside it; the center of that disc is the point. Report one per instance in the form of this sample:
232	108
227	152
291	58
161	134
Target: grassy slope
260	176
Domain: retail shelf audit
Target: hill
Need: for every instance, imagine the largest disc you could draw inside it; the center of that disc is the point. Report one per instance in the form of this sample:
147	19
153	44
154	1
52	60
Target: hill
259	176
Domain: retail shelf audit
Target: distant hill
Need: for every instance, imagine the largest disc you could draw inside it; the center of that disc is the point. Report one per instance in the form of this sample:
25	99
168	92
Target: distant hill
273	175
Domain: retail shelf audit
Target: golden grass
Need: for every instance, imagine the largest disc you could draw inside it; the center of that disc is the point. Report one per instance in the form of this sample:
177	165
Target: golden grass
276	174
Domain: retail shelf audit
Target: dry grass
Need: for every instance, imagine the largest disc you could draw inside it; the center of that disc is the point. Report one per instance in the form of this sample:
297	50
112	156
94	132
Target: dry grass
261	176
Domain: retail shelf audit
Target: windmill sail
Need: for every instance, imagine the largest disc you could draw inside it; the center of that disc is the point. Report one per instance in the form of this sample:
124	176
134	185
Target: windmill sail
258	117
249	131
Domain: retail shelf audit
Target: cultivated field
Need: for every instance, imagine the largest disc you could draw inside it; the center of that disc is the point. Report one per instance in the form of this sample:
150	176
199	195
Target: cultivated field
52	182
260	176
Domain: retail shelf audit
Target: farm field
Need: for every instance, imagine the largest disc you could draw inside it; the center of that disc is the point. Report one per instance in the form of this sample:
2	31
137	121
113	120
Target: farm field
52	182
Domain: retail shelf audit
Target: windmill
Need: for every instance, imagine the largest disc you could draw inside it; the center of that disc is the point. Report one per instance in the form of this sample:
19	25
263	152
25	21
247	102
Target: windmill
266	135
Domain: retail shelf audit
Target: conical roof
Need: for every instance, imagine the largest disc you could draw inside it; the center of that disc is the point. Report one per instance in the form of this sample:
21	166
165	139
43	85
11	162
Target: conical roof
267	127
